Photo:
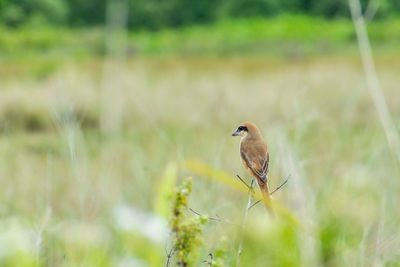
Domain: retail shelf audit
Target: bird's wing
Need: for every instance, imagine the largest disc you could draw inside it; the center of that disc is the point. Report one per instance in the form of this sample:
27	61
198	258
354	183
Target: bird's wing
265	164
259	168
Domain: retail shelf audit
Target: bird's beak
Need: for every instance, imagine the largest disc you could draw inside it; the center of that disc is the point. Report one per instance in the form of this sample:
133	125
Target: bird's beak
236	133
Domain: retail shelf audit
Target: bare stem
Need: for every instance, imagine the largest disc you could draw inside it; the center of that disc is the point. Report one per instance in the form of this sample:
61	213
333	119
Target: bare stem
218	219
279	187
276	189
169	256
248	186
209	262
244	223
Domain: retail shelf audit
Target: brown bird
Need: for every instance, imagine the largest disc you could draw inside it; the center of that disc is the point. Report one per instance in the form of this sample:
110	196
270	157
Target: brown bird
255	156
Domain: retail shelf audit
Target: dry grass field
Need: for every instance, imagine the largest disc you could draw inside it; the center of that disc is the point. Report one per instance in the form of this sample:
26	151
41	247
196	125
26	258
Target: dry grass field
88	151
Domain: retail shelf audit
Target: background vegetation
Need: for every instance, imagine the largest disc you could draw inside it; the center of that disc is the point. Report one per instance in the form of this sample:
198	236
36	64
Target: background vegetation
102	118
155	14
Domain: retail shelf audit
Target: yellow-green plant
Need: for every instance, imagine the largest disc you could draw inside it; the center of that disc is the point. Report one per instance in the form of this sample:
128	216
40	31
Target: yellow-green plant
219	257
186	231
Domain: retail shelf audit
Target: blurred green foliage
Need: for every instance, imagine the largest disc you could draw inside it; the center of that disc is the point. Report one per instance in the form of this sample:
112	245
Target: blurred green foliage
294	35
155	14
165	189
186	231
314	112
313	106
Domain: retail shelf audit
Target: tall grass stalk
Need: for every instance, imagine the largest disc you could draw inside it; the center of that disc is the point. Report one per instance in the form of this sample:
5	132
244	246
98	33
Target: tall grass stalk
246	213
112	81
373	83
303	201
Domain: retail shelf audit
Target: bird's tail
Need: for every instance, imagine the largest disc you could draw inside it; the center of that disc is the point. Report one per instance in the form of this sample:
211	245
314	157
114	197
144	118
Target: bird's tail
265	194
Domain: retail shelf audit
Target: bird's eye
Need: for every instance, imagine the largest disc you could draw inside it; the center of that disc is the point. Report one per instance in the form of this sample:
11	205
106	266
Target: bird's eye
242	128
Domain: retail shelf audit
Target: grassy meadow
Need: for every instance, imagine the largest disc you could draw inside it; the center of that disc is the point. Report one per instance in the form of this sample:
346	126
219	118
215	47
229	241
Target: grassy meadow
93	141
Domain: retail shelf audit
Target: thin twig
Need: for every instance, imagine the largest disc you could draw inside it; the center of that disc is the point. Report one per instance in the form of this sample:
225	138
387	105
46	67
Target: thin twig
195	212
279	187
248	186
244	223
255	203
276	189
169	256
209	262
218	219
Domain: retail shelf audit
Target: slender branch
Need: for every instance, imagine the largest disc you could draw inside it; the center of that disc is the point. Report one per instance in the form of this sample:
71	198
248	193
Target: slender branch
244	223
276	189
169	256
255	203
195	212
248	186
209	262
279	187
218	219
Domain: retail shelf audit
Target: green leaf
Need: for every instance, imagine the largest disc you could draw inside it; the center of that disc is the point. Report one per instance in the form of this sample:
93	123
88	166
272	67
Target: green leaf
165	190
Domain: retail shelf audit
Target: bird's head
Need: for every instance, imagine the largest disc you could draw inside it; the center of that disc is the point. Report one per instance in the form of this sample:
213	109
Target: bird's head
241	130
246	128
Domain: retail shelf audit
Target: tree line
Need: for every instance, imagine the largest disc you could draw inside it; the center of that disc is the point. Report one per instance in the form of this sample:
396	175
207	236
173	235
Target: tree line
156	14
